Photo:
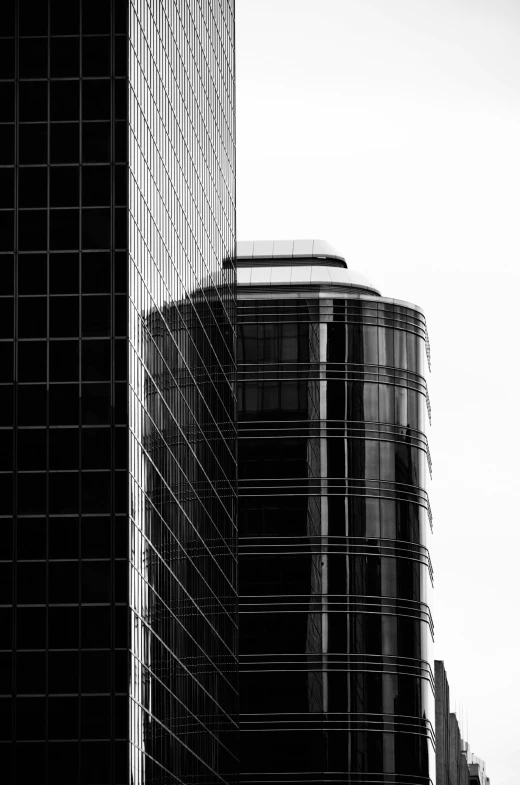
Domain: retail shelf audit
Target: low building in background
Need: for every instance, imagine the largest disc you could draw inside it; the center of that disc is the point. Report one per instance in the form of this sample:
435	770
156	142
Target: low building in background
455	763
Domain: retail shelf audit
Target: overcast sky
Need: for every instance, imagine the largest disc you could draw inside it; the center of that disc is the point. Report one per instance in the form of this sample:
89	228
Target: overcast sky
391	128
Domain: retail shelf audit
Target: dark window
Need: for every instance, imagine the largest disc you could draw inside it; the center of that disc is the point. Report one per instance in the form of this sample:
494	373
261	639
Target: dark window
95	537
32	404
64	448
6	144
31	628
96	228
121	227
64	17
6	628
64	225
63	361
6	362
63	404
96	757
65	100
121	98
120	359
64	57
32	317
64	273
6	405
95	627
6	682
121	142
95	718
63	581
31	583
121	56
95	273
32	184
62	757
63	670
30	718
63	492
32	361
6	451
95	315
96	56
95	671
95	360
95	404
64	143
31	538
7	230
33	17
95	491
7	59
30	673
32	494
6	318
6	102
33	144
121	448
121	403
63	317
96	142
7	186
95	581
96	452
32	58
121	581
63	626
6	584
32	230
32	274
63	538
32	449
96	17
120	272
121	185
64	190
63	718
96	99
32	101
96	186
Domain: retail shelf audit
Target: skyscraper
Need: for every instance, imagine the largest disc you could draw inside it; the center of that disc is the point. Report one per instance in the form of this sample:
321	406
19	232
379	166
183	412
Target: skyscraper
117	222
336	670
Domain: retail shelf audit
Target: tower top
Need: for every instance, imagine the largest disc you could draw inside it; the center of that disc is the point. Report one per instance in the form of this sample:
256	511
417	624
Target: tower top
258	253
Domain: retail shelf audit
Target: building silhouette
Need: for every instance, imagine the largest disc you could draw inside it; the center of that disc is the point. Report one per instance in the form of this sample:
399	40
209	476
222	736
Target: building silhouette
455	763
336	669
118	635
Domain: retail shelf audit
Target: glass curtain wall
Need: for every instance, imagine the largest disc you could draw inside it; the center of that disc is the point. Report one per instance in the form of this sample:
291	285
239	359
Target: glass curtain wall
117	453
182	396
336	680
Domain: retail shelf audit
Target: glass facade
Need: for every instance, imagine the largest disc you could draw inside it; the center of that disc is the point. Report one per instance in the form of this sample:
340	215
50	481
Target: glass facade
117	464
336	670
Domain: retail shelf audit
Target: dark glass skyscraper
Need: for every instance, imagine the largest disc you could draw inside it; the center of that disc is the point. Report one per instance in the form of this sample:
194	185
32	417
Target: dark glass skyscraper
336	670
117	464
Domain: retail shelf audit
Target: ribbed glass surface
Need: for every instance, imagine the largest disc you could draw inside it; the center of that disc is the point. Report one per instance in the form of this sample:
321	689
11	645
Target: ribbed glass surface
336	681
182	402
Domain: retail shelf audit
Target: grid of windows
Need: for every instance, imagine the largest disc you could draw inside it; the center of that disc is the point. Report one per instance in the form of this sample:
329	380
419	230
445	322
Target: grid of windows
335	626
182	401
63	390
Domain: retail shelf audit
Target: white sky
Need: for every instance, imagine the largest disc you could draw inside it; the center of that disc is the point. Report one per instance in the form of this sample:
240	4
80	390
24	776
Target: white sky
391	128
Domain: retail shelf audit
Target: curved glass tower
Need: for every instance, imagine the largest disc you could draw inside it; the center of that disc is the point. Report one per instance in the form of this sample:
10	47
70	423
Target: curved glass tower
335	627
